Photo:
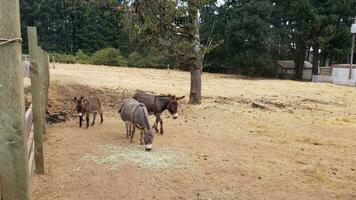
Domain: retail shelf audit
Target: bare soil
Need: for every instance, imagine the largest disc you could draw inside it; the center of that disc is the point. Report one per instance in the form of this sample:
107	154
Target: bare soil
301	146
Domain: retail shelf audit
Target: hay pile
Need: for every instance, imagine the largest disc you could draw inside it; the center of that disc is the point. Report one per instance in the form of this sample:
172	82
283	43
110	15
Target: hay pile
158	158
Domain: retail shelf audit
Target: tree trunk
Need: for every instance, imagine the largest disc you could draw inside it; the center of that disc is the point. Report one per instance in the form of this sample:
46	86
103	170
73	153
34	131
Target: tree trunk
299	57
13	162
315	63
196	58
308	53
195	86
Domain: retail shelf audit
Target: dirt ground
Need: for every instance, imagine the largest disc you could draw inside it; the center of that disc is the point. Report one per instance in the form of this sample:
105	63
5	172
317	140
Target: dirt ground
302	146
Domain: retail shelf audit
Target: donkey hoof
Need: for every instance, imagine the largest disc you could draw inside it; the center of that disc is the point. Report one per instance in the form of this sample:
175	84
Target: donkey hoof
141	143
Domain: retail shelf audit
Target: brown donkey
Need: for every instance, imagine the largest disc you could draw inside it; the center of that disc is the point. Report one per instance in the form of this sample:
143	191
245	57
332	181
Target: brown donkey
156	104
85	106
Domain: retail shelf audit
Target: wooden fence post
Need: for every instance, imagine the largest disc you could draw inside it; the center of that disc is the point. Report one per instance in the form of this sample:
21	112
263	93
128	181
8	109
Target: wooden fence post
47	67
54	62
45	76
13	159
37	98
41	69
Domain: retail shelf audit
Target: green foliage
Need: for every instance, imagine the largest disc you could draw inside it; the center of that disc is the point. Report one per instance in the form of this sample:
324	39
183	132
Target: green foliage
250	35
109	56
154	59
65	26
63	58
83	58
151	59
244	36
156	28
259	66
135	60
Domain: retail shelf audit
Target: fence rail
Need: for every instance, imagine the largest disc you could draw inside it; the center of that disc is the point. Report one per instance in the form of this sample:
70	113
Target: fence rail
30	141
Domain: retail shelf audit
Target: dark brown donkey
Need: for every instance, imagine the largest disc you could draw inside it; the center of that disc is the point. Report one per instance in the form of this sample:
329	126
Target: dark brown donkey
156	104
85	106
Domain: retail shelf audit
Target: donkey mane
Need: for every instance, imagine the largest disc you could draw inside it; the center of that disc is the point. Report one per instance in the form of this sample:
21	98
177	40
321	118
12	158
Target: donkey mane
166	95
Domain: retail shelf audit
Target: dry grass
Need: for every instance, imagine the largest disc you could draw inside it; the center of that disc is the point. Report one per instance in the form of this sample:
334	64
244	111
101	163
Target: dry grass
159	158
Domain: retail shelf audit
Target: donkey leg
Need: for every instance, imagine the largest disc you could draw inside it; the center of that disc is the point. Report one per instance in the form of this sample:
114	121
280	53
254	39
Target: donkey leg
133	132
161	122
87	119
101	117
141	139
94	117
155	125
128	129
80	121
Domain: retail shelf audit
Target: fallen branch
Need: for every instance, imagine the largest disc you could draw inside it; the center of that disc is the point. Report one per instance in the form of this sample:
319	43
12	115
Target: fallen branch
258	104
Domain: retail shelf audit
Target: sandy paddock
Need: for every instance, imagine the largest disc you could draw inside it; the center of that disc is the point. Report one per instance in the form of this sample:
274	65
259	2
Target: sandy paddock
302	146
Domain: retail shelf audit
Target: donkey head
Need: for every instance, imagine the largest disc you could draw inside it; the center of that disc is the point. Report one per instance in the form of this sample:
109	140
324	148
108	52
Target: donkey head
148	138
79	105
172	106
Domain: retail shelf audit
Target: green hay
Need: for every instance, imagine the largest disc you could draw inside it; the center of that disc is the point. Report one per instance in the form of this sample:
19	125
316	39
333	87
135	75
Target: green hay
158	158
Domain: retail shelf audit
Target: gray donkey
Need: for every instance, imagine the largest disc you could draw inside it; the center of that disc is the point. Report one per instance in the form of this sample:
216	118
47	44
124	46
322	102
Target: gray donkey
135	114
85	106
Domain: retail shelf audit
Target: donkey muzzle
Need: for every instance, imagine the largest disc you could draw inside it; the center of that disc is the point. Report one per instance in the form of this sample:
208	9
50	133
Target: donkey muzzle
175	115
148	147
80	114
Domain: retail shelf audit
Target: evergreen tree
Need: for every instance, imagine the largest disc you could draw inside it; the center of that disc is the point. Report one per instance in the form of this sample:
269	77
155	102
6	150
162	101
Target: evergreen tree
65	26
172	25
245	36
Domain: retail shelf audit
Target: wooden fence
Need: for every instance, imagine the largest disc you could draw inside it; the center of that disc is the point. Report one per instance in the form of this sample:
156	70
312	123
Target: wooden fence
39	74
21	140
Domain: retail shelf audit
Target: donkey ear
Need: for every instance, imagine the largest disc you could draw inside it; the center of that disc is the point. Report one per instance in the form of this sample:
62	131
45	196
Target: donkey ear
179	98
75	99
81	98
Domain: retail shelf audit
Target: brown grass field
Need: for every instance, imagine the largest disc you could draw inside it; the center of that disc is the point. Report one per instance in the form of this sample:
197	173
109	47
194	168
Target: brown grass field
302	146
